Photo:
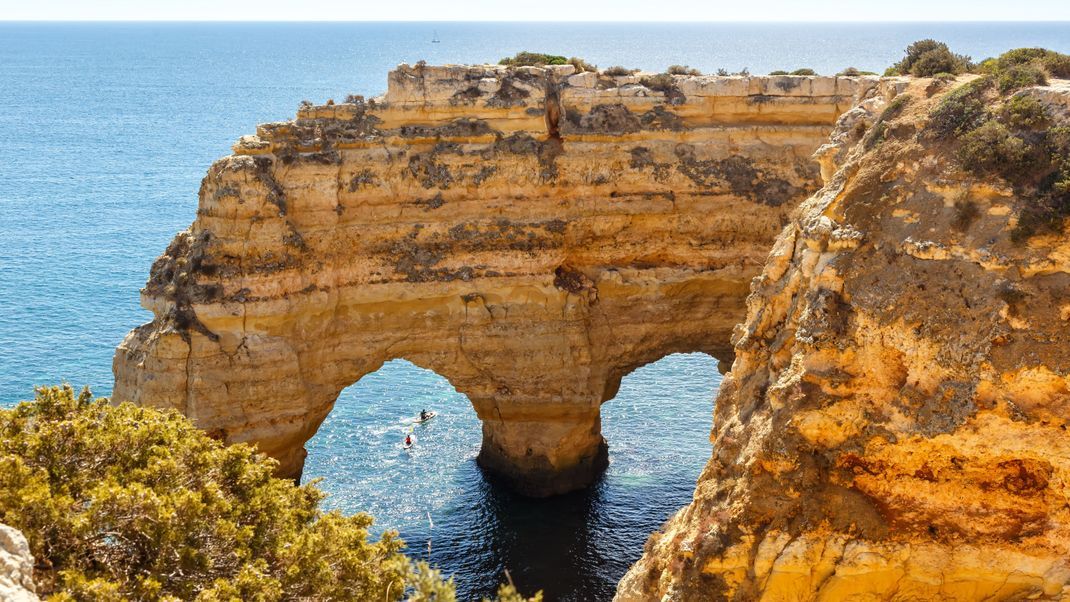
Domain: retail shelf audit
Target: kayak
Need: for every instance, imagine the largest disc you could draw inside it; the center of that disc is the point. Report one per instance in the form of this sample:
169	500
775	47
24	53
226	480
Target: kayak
430	415
407	445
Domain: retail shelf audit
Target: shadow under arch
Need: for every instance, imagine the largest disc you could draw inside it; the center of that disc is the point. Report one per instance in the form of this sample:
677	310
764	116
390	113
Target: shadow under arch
574	546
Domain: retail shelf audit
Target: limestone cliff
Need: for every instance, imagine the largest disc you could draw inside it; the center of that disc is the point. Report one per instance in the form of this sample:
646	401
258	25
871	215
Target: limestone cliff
894	426
16	567
531	234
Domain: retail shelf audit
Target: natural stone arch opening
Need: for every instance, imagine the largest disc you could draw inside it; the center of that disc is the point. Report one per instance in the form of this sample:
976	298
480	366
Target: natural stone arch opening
372	472
357	448
532	261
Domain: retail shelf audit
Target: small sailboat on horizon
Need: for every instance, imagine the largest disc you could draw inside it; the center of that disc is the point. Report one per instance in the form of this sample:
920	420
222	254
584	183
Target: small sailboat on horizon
434	37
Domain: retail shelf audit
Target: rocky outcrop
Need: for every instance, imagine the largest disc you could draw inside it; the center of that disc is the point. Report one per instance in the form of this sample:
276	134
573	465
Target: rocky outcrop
894	426
530	234
16	567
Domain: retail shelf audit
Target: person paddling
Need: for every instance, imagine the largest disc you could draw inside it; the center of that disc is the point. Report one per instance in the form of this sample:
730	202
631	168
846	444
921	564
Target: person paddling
423	414
408	440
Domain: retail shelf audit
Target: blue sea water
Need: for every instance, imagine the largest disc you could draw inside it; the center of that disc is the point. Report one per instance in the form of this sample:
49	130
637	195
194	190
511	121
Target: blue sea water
107	129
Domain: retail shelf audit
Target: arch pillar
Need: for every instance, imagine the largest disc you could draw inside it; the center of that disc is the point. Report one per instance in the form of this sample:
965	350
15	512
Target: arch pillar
545	454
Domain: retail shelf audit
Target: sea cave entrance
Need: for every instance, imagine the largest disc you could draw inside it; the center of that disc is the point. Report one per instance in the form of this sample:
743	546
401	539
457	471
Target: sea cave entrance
574	546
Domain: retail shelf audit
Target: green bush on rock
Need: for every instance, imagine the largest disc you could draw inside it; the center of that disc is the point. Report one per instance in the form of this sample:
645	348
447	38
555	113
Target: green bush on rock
130	503
925	58
533	59
992	148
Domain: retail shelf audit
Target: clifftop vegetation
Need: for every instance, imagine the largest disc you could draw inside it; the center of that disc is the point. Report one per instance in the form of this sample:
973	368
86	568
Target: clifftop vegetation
130	503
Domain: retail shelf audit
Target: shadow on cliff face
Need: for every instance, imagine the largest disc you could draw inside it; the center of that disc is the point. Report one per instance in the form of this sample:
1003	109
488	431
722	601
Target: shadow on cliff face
573	547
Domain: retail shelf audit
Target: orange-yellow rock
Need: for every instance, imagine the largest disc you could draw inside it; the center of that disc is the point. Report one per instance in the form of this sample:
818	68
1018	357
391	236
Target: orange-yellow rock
894	426
530	234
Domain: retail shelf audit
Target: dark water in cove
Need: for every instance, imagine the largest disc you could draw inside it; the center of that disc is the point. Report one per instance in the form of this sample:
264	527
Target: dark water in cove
107	129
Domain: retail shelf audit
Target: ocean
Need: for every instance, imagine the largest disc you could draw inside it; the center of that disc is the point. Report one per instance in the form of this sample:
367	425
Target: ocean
106	130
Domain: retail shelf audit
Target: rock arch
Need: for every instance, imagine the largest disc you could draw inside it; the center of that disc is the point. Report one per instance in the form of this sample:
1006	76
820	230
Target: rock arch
530	234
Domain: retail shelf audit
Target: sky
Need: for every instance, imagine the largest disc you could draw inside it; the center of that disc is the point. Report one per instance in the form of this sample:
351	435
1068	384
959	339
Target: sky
541	10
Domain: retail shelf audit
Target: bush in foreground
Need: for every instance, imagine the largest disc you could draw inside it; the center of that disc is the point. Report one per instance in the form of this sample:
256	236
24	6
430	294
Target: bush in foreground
130	503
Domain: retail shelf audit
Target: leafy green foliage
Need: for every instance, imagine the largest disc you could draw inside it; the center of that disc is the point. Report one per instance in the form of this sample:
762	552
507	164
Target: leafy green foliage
533	59
993	148
962	109
1051	204
804	71
130	503
1020	76
925	58
1024	112
1053	63
777	72
1010	138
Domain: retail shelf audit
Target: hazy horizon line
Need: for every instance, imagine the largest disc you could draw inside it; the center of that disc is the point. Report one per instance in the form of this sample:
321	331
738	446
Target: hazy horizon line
555	21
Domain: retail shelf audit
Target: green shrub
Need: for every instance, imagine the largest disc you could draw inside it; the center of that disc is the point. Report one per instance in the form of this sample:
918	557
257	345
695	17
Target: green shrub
1020	76
533	59
618	71
988	66
1053	63
991	148
777	72
962	110
130	503
682	70
1024	112
804	71
925	58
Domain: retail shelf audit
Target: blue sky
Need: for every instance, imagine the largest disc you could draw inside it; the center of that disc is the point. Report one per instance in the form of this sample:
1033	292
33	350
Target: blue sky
541	10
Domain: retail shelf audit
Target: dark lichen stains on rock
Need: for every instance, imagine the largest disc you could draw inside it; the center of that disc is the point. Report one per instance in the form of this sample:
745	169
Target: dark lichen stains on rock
363	179
738	173
660	118
602	119
428	171
464	127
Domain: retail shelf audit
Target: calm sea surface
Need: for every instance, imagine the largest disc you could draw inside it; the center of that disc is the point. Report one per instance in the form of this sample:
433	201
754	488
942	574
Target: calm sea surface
107	129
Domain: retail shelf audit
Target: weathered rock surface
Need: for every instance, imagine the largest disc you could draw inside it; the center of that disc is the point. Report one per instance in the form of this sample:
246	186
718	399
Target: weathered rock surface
894	426
16	567
530	234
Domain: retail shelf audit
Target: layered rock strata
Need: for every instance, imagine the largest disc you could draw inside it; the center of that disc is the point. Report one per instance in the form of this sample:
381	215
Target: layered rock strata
894	426
16	567
530	234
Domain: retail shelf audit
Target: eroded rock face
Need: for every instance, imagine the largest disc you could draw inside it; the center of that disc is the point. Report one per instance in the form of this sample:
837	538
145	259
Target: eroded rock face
16	567
894	426
530	234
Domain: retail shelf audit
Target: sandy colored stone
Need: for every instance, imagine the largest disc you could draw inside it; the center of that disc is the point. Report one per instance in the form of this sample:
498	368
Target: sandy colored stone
530	240
16	567
894	426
